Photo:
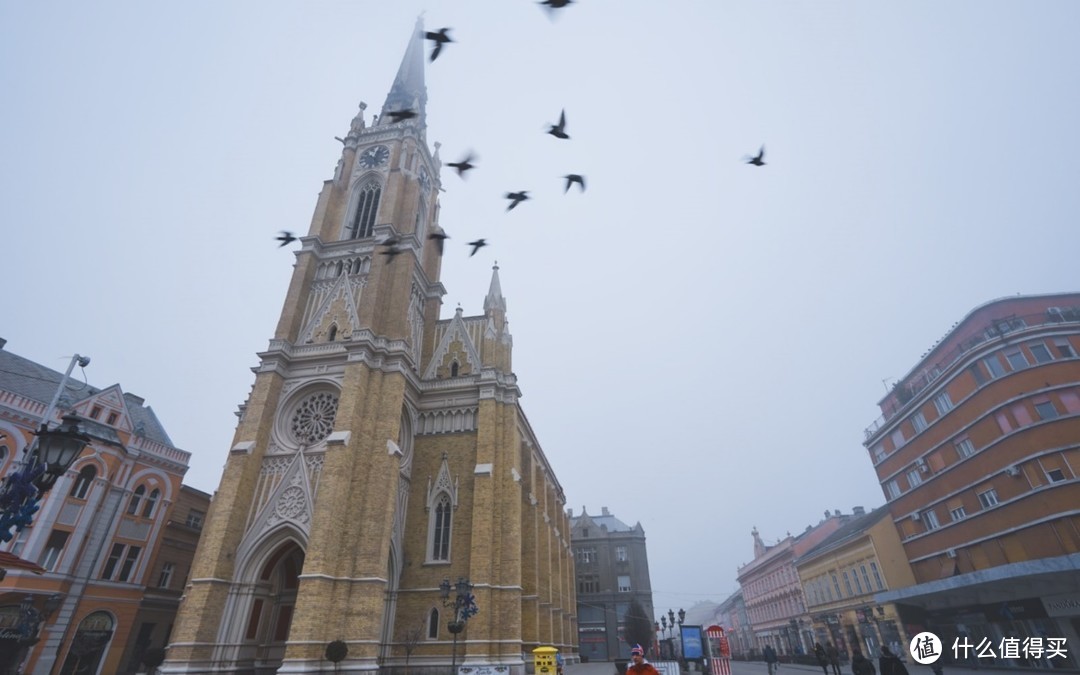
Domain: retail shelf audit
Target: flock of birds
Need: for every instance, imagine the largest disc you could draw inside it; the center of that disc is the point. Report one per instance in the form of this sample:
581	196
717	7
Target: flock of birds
440	38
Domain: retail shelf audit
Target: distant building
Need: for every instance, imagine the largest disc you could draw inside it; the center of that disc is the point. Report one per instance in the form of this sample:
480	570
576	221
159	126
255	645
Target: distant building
103	533
612	567
978	454
840	577
731	616
772	592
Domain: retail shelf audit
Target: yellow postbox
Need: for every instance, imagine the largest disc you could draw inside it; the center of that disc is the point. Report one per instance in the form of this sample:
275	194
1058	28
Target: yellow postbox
544	660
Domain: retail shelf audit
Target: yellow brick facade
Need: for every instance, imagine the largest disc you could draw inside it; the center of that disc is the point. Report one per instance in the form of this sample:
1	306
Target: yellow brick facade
380	451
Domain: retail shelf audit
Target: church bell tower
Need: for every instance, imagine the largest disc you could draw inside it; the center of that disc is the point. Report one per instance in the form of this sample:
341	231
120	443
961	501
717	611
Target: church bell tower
380	450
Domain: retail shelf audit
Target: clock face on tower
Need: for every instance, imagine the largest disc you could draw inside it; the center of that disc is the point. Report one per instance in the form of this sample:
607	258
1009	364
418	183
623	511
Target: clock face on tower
373	157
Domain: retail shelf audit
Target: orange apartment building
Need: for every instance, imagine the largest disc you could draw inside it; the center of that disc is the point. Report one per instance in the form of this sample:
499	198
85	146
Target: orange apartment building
977	454
104	535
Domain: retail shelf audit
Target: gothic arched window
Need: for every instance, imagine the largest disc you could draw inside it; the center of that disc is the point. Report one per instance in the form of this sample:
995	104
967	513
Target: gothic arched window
332	335
136	497
454	369
433	624
83	482
365	206
151	502
440	531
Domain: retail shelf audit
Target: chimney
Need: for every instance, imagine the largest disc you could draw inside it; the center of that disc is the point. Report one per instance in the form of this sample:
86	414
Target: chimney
604	511
858	511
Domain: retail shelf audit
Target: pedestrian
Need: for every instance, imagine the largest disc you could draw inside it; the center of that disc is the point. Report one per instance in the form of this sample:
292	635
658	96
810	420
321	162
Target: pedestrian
890	664
822	657
638	664
770	659
860	665
559	663
834	657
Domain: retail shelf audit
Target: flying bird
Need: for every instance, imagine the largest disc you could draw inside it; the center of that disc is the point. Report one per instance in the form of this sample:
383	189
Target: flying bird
399	115
439	238
440	38
464	165
572	178
392	249
516	198
477	245
286	238
559	130
759	160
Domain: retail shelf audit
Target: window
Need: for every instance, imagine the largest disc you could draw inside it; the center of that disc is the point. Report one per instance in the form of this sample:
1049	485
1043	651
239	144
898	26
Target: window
620	554
858	584
20	540
118	553
918	420
836	585
433	624
913	478
129	563
1064	349
847	583
988	498
114	559
1055	476
892	489
624	583
166	575
965	448
1040	352
865	578
930	519
454	369
994	366
95	412
943	403
136	497
440	541
898	439
978	374
367	204
1046	410
958	513
586	555
1017	360
195	519
83	482
879	452
53	548
151	502
111	419
587	583
877	576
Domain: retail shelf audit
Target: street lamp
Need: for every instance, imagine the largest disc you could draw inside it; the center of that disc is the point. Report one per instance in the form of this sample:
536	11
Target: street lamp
464	605
51	455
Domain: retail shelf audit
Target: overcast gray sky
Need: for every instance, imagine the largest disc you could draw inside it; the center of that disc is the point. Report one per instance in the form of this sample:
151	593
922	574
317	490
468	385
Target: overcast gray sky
700	342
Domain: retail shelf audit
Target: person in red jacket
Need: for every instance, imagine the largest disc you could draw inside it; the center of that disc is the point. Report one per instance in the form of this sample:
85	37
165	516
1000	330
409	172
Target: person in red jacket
638	664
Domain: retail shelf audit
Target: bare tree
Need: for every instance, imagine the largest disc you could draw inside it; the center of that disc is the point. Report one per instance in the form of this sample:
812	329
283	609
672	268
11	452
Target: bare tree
412	638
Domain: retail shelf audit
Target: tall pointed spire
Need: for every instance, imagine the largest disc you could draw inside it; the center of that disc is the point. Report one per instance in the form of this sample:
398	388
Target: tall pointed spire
408	91
495	299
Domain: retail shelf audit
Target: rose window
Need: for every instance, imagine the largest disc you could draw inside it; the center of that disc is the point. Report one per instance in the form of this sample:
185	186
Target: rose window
292	503
314	417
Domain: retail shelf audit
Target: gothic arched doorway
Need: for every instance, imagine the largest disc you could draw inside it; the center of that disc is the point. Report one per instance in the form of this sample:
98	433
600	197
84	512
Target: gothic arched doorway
272	608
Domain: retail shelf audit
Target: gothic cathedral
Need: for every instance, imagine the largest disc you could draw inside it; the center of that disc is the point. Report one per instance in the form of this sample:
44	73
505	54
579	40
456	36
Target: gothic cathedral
381	453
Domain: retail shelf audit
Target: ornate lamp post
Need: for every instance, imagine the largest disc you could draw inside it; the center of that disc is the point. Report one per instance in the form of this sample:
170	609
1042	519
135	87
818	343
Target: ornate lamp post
464	605
47	459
